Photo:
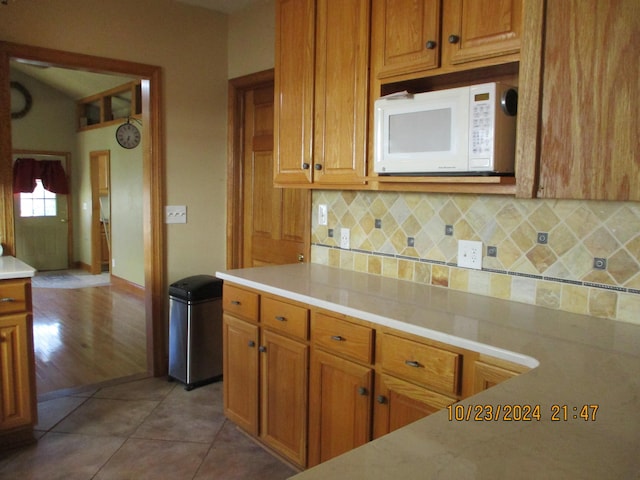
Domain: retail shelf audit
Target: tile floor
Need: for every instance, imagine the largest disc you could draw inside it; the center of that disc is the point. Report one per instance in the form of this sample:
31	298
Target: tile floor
143	429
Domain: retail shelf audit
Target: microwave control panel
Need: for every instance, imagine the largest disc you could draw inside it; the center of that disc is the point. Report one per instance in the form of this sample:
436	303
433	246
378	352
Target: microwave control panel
481	128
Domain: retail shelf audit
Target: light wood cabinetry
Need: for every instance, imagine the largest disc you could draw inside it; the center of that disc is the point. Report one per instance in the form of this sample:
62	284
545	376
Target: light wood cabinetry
17	367
341	386
314	388
412	38
578	127
321	82
266	363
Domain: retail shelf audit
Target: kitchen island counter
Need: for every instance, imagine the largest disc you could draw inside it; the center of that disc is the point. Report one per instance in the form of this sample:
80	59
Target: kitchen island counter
580	364
11	267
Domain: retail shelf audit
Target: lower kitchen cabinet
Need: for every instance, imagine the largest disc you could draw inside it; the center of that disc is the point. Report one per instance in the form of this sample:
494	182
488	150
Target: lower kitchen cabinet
240	372
340	406
312	384
284	369
398	403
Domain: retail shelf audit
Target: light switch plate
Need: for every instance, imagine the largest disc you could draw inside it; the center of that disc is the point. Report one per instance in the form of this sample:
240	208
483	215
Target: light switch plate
470	254
175	214
322	214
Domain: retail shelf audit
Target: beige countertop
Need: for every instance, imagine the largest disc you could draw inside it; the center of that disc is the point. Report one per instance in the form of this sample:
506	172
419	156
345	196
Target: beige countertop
11	267
579	360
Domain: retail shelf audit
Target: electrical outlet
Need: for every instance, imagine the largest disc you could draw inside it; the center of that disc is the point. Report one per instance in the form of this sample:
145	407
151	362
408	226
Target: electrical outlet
322	214
345	238
470	254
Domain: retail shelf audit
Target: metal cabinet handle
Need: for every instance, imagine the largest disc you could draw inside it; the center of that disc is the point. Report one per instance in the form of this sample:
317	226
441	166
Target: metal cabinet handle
381	399
252	343
430	45
280	318
318	166
7	300
362	391
412	363
454	38
305	166
337	338
262	348
235	302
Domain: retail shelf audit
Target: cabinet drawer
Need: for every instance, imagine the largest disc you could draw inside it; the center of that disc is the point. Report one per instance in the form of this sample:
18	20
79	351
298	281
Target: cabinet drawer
284	317
423	364
240	302
15	296
342	337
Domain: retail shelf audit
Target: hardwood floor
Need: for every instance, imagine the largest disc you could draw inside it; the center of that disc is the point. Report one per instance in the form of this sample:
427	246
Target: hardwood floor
85	336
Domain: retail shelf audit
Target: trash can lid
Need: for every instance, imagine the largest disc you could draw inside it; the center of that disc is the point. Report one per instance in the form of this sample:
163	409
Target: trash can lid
197	287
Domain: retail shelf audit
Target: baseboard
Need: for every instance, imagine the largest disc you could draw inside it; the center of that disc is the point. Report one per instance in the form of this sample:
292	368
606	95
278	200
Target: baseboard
127	286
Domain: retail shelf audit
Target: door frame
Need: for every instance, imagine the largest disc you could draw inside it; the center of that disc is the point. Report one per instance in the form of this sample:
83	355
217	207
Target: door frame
235	151
153	175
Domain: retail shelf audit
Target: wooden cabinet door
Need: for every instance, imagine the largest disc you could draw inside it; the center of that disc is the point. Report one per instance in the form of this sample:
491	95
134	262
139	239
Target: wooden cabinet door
405	36
342	67
486	376
398	403
15	386
482	29
240	372
284	370
590	110
294	86
339	406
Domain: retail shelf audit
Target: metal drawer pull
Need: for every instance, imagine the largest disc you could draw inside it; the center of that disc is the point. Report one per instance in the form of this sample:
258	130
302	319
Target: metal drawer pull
280	318
235	302
381	399
262	348
362	391
252	343
412	363
337	338
7	300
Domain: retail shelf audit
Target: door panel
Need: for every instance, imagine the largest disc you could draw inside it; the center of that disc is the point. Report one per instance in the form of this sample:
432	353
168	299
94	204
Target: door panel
275	220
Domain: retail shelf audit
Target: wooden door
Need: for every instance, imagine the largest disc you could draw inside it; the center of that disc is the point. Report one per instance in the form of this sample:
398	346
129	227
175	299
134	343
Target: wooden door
341	95
240	372
339	406
406	36
284	370
484	29
100	164
294	82
276	221
15	387
398	403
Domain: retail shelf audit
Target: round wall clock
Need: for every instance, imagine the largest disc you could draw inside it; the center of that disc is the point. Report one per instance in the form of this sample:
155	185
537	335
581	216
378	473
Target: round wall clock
128	135
20	100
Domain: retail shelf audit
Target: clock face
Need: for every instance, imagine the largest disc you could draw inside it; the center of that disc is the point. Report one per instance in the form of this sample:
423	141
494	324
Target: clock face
128	135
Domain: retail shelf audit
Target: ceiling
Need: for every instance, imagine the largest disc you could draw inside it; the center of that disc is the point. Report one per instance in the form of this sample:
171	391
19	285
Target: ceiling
80	84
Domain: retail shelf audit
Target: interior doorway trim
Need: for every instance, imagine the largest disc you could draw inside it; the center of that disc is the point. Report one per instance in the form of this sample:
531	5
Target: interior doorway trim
153	175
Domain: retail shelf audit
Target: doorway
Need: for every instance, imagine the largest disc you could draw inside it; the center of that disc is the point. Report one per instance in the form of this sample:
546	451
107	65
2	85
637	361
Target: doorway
100	165
154	262
265	225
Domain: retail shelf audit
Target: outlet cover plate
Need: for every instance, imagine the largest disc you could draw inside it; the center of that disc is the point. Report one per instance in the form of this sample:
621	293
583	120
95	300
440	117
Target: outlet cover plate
345	238
470	254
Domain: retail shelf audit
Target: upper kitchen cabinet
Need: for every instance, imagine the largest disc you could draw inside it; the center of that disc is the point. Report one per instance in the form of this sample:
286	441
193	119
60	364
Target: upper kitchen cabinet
578	121
408	42
321	81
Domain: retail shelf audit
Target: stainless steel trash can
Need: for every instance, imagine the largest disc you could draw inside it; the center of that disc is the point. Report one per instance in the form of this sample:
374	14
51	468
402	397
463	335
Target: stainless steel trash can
195	330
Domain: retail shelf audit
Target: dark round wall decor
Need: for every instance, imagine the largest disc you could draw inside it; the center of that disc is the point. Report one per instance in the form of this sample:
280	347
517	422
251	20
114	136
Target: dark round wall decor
23	105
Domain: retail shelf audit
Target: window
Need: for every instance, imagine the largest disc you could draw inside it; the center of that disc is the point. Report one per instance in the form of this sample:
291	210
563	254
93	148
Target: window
39	203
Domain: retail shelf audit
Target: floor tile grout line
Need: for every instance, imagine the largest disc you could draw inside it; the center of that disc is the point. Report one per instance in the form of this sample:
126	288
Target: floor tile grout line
215	438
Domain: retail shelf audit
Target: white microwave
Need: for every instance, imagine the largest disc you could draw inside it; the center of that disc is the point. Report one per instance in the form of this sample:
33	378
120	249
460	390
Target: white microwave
467	130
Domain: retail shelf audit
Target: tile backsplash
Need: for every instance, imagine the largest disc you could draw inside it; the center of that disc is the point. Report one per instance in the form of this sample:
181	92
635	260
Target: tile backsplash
578	256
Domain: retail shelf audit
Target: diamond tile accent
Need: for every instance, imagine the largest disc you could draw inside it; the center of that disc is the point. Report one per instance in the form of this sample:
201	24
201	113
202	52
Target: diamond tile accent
557	275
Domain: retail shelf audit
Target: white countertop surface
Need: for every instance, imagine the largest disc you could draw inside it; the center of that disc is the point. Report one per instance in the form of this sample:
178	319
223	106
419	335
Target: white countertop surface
11	267
579	360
